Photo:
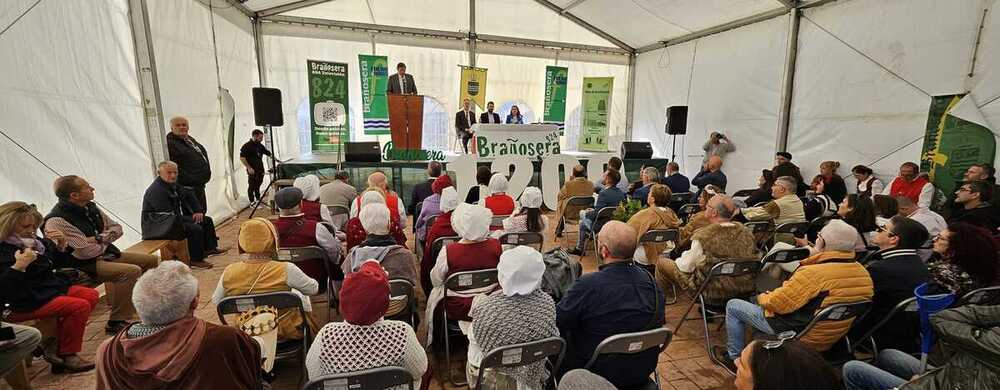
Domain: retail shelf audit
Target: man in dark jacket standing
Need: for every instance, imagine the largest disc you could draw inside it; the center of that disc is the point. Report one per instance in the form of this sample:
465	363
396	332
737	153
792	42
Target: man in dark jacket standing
252	156
166	196
191	159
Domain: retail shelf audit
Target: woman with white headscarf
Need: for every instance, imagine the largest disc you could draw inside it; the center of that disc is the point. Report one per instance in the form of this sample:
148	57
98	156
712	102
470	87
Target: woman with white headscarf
440	228
527	218
499	202
378	245
309	184
355	230
519	312
475	251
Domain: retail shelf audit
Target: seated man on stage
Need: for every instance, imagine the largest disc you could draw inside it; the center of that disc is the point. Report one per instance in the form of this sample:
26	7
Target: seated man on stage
489	116
463	124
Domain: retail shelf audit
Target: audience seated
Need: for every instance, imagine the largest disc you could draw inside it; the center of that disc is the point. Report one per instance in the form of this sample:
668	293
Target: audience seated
970	336
674	179
974	198
170	348
833	184
711	173
859	212
431	206
783	166
365	340
619	298
933	222
698	220
657	216
974	172
14	351
911	185
867	183
965	259
475	251
614	163
442	227
483	175
528	217
164	195
424	189
398	261
311	207
577	185
784	364
649	176
377	181
894	275
722	239
90	235
33	292
826	278
258	273
785	208
610	196
763	192
499	202
819	204
295	230
338	192
886	207
355	231
519	312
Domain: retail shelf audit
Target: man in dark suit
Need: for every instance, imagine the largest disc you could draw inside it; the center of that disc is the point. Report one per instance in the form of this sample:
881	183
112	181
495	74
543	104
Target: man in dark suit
408	87
463	124
423	189
489	116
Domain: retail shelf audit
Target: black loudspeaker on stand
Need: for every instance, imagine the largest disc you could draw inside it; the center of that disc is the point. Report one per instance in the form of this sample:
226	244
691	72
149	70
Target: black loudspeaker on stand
676	125
267	113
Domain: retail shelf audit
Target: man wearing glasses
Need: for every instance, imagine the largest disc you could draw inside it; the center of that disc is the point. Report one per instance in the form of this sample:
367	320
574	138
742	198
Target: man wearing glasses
974	198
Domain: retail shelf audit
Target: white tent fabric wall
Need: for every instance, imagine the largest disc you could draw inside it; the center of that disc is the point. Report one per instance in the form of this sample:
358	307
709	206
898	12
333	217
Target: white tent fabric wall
984	97
70	97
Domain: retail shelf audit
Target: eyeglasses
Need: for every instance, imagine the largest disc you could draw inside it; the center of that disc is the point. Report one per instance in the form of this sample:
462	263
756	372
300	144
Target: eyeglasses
782	338
965	189
940	237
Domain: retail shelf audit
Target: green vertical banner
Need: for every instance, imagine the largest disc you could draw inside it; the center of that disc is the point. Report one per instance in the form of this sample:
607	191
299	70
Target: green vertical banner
328	104
374	79
952	144
555	96
596	104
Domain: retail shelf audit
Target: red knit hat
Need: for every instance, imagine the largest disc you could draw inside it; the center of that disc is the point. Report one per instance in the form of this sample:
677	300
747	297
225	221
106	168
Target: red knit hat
364	296
441	183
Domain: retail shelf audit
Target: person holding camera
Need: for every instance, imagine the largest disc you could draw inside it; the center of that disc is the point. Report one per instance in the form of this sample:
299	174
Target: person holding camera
717	145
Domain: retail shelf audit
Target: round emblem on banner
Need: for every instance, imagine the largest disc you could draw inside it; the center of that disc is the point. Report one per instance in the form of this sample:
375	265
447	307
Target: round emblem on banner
473	88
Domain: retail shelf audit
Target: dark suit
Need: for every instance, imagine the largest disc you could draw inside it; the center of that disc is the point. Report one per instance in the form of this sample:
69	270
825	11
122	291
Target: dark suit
462	125
484	118
393	87
163	197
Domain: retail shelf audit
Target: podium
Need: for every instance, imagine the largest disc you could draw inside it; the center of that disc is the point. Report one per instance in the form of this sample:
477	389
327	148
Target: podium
406	121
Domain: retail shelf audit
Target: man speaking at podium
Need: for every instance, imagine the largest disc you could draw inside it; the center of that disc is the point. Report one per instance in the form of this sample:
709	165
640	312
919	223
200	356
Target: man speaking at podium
401	83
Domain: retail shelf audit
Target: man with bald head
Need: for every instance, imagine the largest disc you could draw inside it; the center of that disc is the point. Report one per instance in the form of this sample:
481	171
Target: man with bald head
194	170
379	182
722	239
711	173
621	297
165	195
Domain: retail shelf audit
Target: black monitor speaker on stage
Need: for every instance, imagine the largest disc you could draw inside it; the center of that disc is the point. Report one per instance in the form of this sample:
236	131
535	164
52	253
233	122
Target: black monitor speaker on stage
362	152
267	107
677	118
636	150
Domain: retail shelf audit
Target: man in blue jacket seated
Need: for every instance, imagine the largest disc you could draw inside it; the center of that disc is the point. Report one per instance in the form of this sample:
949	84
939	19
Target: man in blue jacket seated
675	180
610	196
711	173
621	297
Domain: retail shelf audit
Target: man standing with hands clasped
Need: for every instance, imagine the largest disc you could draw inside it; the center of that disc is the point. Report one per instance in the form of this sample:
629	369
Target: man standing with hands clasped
717	145
252	156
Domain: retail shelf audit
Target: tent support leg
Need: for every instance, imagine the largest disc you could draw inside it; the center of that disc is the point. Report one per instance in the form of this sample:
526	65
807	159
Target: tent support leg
791	52
149	86
630	97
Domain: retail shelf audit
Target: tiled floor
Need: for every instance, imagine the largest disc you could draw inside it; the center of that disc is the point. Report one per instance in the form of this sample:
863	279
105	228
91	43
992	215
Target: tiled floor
684	365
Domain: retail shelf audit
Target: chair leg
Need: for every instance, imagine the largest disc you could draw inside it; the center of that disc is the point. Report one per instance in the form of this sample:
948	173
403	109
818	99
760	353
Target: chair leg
704	323
673	288
17	378
447	357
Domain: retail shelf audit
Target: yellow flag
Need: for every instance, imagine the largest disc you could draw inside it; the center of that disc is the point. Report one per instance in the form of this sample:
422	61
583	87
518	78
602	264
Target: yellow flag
473	86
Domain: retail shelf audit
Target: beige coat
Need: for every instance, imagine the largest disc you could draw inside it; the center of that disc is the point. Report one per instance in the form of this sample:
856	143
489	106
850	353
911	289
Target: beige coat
578	186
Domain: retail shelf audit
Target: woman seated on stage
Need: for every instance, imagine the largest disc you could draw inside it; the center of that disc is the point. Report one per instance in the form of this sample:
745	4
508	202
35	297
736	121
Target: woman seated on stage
499	202
515	116
528	218
355	231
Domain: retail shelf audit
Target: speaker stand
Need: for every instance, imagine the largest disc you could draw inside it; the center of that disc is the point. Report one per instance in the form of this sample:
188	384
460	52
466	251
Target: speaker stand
673	149
270	136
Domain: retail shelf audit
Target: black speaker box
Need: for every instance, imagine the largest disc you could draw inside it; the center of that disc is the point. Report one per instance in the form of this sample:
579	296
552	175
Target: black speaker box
267	107
677	119
636	150
362	151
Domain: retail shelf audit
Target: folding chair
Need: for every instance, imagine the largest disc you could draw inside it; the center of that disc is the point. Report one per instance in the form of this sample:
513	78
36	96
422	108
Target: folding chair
632	343
908	305
302	257
680	198
416	213
427	227
799	229
497	221
402	302
280	300
742	193
460	282
838	312
339	214
373	379
439	243
523	238
781	256
661	236
872	256
577	202
981	296
524	354
603	216
728	268
686	211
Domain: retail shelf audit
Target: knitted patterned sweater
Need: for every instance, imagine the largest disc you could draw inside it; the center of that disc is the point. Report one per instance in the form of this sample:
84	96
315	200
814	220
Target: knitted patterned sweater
342	347
499	320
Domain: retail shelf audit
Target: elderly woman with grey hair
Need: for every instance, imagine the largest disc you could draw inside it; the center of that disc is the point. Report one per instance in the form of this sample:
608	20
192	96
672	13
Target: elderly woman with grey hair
380	246
170	348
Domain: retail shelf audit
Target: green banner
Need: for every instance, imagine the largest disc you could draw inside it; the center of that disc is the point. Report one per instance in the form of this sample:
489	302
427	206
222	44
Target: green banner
328	104
555	96
596	104
374	79
951	145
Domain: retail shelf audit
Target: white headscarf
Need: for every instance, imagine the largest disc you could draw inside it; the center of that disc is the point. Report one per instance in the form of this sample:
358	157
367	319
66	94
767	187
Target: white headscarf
498	184
375	219
520	270
309	184
449	199
531	198
472	222
371	197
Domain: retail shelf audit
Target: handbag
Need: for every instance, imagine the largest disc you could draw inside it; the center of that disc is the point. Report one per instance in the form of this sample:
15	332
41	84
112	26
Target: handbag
162	226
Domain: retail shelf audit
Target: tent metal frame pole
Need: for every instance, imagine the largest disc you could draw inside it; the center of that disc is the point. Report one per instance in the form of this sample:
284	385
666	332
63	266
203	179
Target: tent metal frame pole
238	5
630	99
258	46
582	23
472	33
788	84
288	7
715	30
149	85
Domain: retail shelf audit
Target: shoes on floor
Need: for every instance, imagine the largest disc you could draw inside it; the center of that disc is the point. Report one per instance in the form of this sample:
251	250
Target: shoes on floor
575	252
201	265
721	356
115	326
215	251
72	363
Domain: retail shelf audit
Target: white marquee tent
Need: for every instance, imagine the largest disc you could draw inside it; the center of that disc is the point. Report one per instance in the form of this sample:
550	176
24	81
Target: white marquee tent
88	85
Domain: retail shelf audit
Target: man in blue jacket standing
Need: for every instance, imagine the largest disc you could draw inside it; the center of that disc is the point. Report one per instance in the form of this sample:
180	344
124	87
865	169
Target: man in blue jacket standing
610	196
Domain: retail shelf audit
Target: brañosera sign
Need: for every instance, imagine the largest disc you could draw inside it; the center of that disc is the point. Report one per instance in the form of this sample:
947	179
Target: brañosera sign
532	141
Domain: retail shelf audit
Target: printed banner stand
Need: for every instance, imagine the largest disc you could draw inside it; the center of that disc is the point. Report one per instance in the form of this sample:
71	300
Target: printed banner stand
555	96
595	119
328	102
473	86
374	105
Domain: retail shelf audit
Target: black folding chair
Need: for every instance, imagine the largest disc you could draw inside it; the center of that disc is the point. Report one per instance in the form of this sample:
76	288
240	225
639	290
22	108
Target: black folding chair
982	296
632	343
742	193
763	232
523	238
280	300
497	221
603	216
416	213
578	202
687	210
908	305
298	256
427	227
523	354
461	282
373	379
798	229
660	236
339	214
680	198
782	256
838	312
439	243
402	302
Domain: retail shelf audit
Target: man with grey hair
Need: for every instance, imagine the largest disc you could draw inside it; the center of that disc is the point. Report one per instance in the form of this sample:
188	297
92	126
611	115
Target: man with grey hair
171	348
338	192
164	195
378	180
785	208
191	158
622	297
649	176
